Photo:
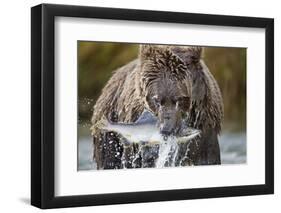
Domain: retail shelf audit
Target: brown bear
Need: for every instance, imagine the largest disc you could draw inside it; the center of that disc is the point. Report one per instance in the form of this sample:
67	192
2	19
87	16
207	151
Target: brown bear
206	112
173	83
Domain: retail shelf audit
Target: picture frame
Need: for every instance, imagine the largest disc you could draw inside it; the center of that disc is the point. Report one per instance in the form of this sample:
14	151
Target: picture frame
43	114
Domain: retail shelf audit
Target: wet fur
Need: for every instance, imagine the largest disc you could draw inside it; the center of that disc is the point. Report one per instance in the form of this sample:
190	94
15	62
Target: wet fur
130	91
206	108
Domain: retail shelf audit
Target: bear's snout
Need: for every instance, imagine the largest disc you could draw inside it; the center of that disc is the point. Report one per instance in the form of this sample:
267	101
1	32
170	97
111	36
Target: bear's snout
168	122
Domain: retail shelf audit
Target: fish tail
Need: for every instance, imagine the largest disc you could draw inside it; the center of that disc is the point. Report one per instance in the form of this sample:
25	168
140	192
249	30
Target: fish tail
99	125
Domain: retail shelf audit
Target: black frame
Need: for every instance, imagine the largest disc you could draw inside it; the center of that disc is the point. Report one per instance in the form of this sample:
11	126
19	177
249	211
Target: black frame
42	105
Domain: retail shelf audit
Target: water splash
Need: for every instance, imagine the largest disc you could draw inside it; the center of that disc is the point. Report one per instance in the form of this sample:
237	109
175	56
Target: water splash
168	151
144	145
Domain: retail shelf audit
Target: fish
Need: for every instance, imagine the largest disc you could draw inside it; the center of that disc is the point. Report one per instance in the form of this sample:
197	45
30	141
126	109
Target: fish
145	131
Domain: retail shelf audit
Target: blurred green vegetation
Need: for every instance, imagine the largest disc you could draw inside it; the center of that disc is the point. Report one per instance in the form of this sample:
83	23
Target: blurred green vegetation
228	65
97	60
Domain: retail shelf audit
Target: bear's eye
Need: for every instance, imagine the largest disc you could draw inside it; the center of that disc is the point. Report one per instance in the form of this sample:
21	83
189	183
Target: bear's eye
183	98
183	101
174	101
162	101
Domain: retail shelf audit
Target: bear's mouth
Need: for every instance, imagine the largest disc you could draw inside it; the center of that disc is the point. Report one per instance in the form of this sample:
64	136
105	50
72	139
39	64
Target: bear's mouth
167	132
172	133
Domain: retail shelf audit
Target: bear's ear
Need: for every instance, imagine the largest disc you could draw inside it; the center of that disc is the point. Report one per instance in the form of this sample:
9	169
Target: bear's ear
190	55
149	51
146	51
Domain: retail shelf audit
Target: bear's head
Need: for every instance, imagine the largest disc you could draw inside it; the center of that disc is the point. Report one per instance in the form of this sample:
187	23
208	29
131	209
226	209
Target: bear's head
165	85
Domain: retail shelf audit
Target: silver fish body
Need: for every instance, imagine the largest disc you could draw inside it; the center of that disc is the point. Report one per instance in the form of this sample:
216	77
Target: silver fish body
144	131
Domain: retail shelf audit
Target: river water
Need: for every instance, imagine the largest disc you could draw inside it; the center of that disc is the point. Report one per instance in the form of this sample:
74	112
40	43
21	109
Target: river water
232	145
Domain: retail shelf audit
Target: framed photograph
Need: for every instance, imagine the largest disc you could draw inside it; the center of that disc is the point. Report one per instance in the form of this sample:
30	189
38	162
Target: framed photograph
139	106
